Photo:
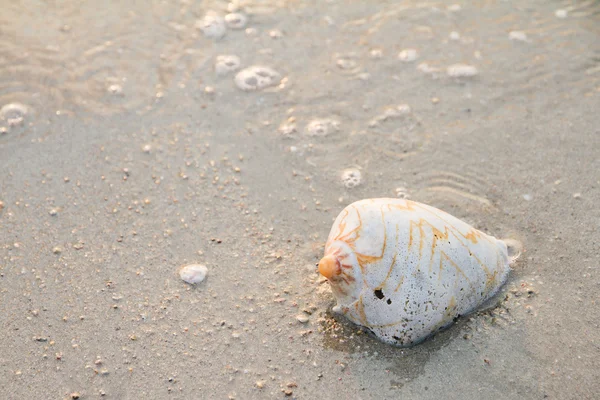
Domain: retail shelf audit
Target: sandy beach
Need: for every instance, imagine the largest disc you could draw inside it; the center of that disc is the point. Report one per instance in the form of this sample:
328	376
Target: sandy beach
138	137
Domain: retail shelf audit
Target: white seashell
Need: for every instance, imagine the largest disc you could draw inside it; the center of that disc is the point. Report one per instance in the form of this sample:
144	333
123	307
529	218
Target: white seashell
193	273
404	270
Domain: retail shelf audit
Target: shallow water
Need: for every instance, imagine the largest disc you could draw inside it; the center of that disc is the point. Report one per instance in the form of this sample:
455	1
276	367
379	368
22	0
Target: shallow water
126	153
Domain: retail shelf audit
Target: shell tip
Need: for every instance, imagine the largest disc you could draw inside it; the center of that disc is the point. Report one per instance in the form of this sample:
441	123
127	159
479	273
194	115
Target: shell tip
329	267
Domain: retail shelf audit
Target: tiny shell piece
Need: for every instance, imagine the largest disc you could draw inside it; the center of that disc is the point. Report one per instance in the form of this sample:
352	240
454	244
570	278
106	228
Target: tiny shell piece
404	270
461	71
408	55
256	77
193	273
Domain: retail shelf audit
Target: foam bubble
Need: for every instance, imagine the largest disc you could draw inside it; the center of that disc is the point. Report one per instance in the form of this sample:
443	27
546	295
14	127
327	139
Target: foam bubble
257	77
322	127
212	26
14	113
351	177
236	20
226	64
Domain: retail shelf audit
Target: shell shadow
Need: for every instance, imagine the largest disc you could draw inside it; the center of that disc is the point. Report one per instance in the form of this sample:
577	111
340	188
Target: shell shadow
403	363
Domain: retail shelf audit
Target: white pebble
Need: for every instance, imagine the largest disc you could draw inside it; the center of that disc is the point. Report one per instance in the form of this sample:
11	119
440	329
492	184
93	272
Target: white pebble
461	71
256	77
275	34
193	273
517	35
302	318
408	55
527	197
454	35
376	53
560	13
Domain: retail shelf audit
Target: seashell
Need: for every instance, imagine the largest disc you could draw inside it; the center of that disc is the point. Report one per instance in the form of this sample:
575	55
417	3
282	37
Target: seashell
404	270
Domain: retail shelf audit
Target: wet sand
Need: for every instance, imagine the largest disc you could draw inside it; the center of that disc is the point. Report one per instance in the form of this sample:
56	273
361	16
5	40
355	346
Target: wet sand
126	152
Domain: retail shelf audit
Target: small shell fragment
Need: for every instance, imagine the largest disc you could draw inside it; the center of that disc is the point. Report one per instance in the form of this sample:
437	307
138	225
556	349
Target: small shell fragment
461	71
408	55
193	273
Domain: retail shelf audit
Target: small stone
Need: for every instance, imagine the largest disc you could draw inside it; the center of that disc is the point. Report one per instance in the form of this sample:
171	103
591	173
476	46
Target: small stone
577	195
275	34
260	384
302	318
1	205
560	13
53	212
518	36
75	395
193	273
454	35
527	197
288	392
147	148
